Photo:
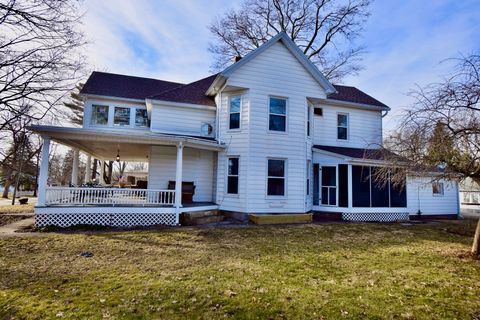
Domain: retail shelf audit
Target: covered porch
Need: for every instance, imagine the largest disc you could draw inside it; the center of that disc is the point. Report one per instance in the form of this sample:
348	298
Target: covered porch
174	185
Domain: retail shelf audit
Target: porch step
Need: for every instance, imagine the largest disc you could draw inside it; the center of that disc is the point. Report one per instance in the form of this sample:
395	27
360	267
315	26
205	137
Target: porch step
201	217
280	218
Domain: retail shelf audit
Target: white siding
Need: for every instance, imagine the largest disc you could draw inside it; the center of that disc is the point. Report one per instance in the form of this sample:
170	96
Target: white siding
429	203
274	72
237	142
182	120
364	131
198	166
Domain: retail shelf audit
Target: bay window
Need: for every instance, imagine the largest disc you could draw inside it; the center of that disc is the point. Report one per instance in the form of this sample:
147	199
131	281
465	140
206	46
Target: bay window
276	177
277	114
232	175
234	113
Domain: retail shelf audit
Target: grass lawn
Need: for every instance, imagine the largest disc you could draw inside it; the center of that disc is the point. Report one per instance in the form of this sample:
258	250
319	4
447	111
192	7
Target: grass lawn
325	271
17	208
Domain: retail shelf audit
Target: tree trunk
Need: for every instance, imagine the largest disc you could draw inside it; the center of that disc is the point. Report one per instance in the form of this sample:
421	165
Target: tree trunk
94	170
7	185
110	171
476	240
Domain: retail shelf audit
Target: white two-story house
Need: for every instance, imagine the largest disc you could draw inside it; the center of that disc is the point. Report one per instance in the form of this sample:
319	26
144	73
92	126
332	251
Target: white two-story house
269	134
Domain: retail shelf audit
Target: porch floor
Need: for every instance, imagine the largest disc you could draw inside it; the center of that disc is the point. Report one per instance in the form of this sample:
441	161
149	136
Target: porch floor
184	205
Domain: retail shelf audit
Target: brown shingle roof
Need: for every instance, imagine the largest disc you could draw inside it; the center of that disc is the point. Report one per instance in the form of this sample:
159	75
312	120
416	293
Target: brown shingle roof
352	94
190	93
122	86
118	85
359	153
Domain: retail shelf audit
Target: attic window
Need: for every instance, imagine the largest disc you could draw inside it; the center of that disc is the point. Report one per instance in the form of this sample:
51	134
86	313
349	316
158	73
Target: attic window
318	111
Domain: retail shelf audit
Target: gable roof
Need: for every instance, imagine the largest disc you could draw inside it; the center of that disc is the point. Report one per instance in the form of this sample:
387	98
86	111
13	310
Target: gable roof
293	48
190	93
122	86
352	94
358	153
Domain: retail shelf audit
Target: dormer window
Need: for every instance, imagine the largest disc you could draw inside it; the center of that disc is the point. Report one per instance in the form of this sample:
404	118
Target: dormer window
99	115
121	116
342	126
234	113
141	118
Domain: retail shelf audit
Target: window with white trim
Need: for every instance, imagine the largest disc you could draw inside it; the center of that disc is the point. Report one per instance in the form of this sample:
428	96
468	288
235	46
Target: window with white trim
232	175
99	115
437	188
234	112
141	118
277	120
121	116
309	123
342	126
276	177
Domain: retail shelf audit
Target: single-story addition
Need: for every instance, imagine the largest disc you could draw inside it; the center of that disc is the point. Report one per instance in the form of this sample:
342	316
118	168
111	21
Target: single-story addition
267	135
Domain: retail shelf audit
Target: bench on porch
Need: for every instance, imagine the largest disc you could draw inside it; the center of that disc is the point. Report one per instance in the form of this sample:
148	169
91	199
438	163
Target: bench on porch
188	190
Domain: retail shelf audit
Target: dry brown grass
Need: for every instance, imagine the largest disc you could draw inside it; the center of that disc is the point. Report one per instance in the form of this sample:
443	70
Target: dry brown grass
297	272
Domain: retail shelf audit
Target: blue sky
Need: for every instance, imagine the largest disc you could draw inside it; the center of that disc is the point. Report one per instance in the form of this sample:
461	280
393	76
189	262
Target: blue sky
406	41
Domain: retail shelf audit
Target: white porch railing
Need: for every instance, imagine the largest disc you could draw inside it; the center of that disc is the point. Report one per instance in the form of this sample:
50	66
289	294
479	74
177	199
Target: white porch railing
107	196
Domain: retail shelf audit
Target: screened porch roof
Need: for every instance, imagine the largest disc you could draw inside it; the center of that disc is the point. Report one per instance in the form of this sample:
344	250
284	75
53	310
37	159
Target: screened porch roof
132	145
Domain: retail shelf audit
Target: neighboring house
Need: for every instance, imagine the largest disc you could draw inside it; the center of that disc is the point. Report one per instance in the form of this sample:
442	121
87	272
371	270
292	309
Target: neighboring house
269	134
469	196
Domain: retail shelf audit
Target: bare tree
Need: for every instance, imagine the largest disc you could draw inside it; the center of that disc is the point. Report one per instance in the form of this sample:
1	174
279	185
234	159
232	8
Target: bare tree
441	131
325	30
18	161
39	57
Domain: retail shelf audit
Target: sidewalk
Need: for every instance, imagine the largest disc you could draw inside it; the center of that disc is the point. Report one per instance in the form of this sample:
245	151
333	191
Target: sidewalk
10	229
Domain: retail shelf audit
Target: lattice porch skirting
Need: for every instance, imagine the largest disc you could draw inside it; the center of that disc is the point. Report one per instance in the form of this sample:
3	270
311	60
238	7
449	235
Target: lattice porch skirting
105	216
375	216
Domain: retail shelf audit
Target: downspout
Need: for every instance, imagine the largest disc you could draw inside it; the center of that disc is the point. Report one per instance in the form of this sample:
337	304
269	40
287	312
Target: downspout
384	115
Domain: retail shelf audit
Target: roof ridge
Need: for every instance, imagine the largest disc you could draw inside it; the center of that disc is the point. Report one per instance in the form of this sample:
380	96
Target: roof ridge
138	77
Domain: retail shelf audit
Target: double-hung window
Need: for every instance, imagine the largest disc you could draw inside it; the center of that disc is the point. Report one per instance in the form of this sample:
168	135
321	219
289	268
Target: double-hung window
276	177
234	113
277	114
232	176
121	116
99	115
342	126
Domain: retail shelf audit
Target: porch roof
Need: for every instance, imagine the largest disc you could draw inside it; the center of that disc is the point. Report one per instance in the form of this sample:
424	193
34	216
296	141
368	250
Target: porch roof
133	145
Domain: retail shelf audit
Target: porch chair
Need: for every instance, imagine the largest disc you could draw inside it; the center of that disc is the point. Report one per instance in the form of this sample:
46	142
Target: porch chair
188	190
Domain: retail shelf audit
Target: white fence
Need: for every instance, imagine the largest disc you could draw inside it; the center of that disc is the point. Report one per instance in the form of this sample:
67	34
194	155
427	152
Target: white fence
107	196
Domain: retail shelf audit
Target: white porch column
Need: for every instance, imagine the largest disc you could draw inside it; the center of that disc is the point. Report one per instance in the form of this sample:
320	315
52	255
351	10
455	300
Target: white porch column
178	176
43	175
76	154
88	170
102	171
350	187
